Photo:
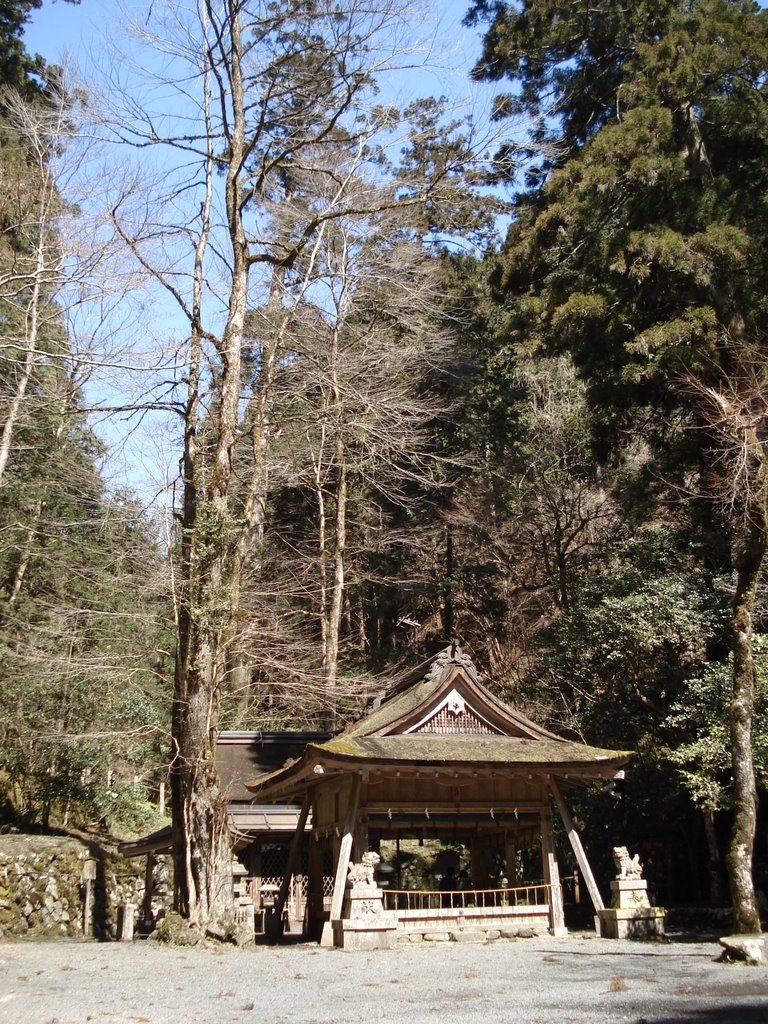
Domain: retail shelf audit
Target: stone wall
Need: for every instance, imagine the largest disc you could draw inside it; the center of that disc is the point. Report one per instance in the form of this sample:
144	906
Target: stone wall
42	891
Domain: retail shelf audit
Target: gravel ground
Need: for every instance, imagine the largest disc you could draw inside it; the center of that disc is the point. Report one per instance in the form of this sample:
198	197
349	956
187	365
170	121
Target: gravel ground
530	981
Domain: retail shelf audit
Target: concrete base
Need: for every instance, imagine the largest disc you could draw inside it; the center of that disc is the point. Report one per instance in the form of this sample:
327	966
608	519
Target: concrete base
366	925
639	923
364	935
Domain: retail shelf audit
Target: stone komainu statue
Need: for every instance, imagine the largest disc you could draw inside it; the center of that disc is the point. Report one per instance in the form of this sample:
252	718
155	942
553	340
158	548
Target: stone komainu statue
626	866
362	873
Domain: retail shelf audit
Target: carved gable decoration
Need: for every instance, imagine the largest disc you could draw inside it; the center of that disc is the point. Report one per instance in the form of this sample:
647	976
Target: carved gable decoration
454	717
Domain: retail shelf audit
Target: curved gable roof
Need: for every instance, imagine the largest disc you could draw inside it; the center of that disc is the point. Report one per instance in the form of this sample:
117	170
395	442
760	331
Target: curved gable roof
416	697
441	714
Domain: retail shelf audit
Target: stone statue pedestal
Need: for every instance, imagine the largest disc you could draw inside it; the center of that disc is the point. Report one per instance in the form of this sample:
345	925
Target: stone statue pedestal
366	925
631	915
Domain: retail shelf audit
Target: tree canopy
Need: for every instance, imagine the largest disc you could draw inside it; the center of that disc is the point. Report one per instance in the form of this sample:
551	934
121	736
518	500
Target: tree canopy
392	427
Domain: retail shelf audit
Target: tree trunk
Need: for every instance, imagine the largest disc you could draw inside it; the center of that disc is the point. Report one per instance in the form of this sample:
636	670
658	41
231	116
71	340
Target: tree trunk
749	553
337	592
713	858
31	321
201	841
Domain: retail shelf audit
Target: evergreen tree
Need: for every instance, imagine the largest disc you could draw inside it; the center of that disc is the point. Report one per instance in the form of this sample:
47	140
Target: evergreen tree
81	608
639	246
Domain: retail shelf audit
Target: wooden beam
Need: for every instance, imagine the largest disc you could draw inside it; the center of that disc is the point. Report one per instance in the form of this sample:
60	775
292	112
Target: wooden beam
293	854
148	890
416	808
578	849
345	850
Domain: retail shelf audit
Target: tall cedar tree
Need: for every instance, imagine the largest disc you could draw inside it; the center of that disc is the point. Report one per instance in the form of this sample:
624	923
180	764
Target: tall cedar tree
640	245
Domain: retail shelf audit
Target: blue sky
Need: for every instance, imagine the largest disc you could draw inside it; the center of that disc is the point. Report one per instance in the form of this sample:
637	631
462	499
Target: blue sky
58	28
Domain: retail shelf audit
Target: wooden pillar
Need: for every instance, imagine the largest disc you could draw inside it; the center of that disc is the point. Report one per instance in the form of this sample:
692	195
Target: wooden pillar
342	863
148	920
578	849
293	853
510	856
361	836
552	878
315	899
89	879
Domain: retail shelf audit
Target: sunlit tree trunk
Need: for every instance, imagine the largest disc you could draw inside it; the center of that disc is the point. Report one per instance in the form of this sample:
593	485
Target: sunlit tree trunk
749	555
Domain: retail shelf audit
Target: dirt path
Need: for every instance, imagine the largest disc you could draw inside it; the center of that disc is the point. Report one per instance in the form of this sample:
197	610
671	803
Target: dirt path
580	979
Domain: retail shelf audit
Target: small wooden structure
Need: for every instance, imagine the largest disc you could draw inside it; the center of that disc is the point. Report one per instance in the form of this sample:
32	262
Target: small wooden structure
440	756
261	834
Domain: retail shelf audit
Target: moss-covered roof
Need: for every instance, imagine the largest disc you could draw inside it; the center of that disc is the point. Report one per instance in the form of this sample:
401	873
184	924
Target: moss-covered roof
406	730
415	691
500	750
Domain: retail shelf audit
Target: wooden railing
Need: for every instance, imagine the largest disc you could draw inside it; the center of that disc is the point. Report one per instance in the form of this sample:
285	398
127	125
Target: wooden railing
460	899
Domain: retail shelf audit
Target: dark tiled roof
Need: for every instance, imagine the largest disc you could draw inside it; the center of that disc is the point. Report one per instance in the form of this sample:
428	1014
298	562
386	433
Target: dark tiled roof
241	756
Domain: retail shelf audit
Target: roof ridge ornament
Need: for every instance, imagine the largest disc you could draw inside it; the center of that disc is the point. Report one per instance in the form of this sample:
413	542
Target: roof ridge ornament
452	655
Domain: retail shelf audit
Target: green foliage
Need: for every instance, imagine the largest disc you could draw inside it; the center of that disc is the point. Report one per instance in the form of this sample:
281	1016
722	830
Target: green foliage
17	68
698	731
640	632
641	251
82	688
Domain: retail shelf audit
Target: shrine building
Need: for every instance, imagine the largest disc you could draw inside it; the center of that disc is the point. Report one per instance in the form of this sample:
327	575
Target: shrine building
440	757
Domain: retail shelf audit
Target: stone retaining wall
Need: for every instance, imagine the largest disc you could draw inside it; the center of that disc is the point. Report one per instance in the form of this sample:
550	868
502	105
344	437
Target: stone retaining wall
42	891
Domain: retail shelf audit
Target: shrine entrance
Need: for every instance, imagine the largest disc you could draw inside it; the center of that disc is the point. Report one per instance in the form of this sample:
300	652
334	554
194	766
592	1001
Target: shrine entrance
439	758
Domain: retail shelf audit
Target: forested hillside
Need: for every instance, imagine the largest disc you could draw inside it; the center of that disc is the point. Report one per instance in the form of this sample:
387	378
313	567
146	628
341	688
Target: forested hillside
391	426
83	612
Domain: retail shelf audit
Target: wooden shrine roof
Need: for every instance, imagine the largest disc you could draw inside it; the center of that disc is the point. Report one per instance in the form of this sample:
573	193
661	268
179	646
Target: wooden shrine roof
441	715
242	755
552	754
425	687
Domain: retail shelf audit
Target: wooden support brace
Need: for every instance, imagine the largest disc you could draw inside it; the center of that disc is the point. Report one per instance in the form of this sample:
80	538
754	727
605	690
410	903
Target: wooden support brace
578	849
345	850
293	854
148	887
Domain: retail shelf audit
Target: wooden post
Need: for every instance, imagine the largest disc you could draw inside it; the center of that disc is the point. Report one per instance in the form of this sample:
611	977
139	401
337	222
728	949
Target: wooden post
342	864
315	898
578	849
510	851
298	881
552	878
361	835
148	892
161	799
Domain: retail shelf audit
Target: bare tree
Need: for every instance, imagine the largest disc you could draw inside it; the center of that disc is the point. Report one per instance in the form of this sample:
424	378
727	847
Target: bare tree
736	410
252	102
356	399
34	253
